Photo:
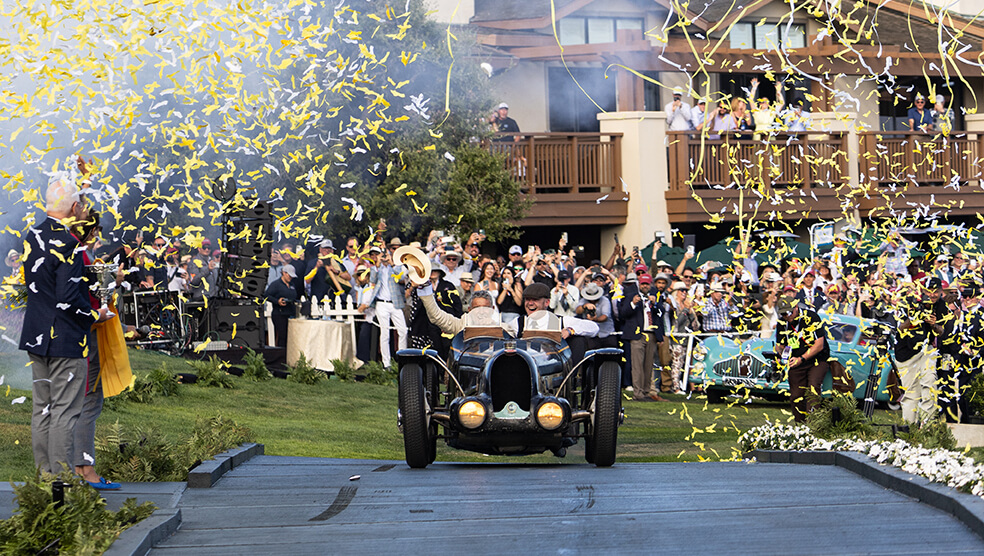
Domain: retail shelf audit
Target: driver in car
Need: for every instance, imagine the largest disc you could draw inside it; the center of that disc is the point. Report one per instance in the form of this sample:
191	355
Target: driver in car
536	300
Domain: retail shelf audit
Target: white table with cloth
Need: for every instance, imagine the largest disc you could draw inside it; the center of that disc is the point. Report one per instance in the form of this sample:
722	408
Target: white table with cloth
321	341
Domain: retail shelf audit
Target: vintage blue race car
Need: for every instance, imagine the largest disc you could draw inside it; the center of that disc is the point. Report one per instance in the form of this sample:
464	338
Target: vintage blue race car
509	396
723	365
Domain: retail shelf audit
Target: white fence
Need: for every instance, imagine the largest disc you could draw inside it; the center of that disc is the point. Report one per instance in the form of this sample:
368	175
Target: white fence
338	308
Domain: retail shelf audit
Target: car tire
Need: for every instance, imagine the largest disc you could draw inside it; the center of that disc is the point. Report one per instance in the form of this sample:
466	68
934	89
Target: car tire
589	455
715	396
608	406
419	443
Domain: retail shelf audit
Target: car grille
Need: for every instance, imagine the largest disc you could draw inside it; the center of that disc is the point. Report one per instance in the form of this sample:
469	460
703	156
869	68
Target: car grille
742	366
509	381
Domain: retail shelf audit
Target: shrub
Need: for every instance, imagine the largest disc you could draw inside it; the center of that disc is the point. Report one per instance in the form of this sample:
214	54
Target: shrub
377	374
215	435
851	421
159	382
931	434
256	369
344	370
975	395
82	525
212	373
162	382
141	455
302	372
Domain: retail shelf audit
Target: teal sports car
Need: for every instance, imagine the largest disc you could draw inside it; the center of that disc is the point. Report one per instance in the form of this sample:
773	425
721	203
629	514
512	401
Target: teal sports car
723	366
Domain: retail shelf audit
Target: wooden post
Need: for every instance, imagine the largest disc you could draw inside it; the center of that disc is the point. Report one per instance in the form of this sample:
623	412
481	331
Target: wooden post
805	163
572	164
616	161
531	165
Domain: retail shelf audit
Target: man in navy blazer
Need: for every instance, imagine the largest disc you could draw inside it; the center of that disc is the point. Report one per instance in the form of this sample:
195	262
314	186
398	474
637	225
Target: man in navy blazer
57	325
641	332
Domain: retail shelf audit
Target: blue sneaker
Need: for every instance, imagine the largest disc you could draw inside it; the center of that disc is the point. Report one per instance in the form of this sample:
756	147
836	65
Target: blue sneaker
103	484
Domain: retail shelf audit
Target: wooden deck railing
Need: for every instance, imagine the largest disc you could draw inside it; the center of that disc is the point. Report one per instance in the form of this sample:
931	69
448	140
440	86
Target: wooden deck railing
893	158
787	161
571	163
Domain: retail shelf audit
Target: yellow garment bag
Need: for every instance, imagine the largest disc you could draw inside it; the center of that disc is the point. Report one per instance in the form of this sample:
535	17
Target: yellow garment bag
114	360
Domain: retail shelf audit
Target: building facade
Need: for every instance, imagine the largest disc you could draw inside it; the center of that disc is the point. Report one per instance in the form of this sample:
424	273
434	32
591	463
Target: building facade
588	81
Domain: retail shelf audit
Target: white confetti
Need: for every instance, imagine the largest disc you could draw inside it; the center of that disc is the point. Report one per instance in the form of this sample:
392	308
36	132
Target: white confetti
21	399
70	377
45	410
449	156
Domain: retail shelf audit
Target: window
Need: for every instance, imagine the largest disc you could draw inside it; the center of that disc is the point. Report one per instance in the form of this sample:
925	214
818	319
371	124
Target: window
594	30
770	36
572	31
600	30
570	108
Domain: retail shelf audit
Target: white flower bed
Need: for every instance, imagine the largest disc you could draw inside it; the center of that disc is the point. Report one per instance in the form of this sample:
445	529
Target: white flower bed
941	466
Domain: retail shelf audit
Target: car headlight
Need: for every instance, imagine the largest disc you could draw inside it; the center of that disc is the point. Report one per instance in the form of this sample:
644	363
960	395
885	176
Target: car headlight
700	352
550	415
471	414
698	368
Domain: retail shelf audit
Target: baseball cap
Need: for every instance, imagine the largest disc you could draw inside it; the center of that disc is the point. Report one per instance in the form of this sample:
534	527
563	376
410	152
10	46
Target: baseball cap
327	244
502	105
206	242
515	250
645	279
563	275
631	278
640	268
939	98
598	276
288	269
662	276
786	305
661	264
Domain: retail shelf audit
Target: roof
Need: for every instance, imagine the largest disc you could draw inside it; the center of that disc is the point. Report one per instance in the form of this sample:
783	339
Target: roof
499	10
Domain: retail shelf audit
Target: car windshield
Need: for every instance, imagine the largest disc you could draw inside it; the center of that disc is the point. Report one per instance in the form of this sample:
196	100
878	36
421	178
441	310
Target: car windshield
545	350
842	333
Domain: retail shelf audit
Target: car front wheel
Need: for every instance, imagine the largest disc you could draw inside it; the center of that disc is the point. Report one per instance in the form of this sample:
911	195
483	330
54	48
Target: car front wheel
608	407
419	440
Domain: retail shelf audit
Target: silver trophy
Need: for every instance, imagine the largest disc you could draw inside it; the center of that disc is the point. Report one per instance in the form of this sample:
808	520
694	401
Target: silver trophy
102	278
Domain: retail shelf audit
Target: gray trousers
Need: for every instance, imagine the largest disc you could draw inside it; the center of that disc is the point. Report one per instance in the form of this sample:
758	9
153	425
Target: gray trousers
58	391
85	429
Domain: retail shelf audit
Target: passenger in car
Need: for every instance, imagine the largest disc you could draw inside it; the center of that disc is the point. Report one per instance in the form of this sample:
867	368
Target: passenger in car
450	324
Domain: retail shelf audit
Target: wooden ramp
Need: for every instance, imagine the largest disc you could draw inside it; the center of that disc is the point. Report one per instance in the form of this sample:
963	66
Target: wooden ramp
289	505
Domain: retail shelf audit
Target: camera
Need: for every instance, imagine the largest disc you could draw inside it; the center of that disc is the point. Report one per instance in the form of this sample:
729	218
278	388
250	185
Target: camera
589	312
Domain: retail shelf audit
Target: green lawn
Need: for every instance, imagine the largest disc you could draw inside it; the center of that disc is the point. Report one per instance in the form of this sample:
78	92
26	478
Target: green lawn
358	420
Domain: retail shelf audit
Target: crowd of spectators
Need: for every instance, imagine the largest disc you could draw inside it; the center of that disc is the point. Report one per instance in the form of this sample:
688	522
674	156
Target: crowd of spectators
890	282
743	118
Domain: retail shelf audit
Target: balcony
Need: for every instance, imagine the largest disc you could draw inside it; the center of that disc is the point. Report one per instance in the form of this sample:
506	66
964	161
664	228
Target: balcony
823	176
574	178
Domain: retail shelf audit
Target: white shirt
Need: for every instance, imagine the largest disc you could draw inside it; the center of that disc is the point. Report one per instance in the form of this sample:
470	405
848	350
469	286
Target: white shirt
678	119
